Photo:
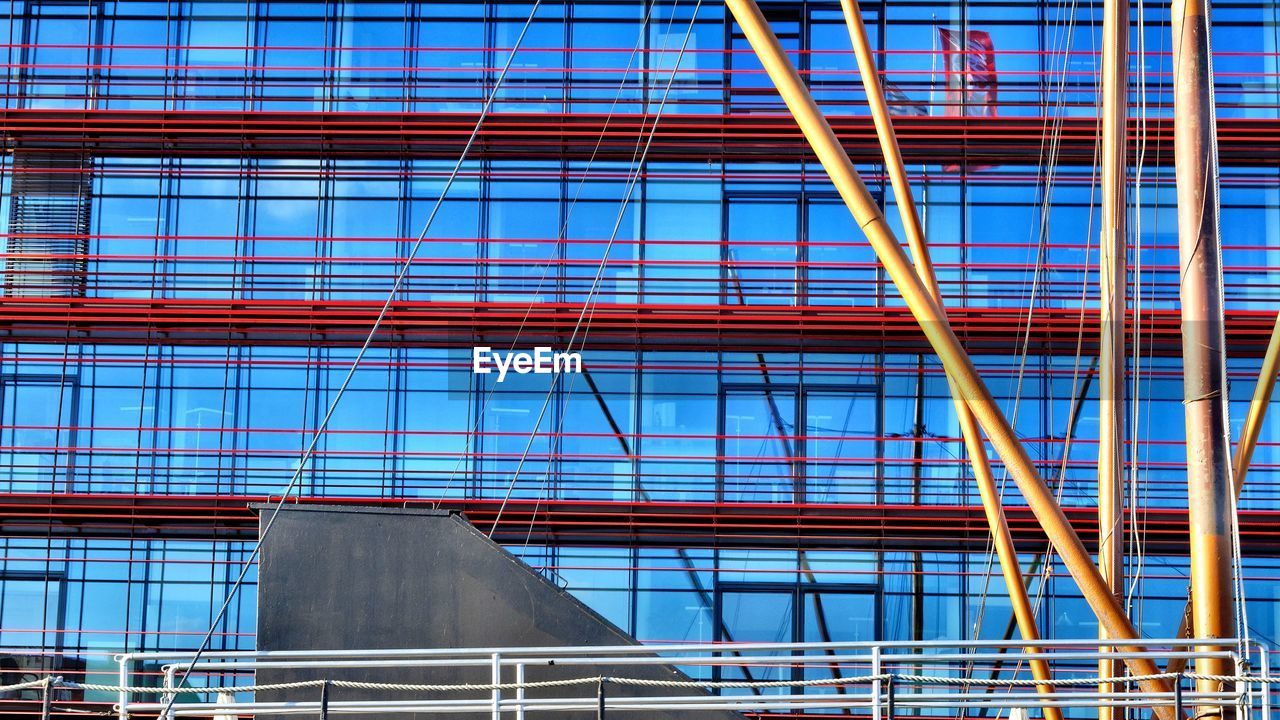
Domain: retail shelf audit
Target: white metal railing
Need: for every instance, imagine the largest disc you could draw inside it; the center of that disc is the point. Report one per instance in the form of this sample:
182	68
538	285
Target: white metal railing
875	679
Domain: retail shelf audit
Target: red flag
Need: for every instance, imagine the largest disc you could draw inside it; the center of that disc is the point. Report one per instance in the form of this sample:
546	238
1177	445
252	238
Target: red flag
970	64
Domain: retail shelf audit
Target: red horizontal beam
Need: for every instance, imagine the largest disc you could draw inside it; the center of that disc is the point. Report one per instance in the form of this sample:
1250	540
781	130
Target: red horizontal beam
738	136
888	527
284	322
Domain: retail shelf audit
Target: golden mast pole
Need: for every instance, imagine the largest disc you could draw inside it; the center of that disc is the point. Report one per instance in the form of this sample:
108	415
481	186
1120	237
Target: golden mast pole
1113	279
1244	451
1257	408
938	332
1203	337
1005	551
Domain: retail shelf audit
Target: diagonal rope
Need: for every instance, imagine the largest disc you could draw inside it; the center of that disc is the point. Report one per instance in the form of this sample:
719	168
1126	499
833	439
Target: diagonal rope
355	363
1237	554
634	171
1050	148
474	427
1139	450
589	304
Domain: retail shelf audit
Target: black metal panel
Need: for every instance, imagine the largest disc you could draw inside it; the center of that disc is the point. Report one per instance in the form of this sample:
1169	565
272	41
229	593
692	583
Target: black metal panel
334	578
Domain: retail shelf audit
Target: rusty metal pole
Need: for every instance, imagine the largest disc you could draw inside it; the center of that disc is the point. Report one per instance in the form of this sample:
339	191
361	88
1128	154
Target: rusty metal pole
1244	452
969	429
938	332
1113	286
1204	376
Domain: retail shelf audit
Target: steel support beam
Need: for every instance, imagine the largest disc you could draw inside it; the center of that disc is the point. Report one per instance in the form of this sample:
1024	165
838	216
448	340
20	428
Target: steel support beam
1209	486
938	331
1113	285
1010	568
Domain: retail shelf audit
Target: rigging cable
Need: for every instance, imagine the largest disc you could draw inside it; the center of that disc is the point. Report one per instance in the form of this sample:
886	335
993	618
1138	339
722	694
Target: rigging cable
1244	631
1137	482
637	168
474	426
1050	149
1237	558
589	303
355	364
1077	395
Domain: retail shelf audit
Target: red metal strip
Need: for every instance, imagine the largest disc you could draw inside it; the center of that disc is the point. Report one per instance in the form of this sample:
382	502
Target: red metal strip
687	136
655	523
654	326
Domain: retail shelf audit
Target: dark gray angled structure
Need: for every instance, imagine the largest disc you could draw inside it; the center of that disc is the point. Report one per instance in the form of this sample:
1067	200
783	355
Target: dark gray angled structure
350	577
205	206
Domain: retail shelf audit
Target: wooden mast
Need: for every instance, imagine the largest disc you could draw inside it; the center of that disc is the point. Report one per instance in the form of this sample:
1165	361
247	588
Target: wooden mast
1113	282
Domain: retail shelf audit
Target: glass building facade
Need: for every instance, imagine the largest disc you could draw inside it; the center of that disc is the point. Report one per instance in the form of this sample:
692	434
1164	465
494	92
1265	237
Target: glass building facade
205	204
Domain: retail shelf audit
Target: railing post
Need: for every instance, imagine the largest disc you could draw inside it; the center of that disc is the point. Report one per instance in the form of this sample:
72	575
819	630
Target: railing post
324	700
170	675
600	699
122	695
888	703
46	698
1177	696
1264	665
1130	711
1244	688
1244	699
875	683
496	674
519	691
